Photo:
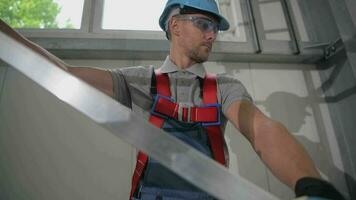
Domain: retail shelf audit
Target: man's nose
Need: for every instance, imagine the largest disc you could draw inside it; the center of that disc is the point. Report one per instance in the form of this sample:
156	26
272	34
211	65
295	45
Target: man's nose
211	35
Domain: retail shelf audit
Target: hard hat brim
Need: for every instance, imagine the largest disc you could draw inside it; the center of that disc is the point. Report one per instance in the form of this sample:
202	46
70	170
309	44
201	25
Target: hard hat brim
223	24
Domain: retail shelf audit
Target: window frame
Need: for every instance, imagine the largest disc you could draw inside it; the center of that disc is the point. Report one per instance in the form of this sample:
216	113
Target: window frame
91	28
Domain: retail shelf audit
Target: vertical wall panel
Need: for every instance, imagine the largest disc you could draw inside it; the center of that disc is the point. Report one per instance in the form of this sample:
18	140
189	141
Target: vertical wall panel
352	7
50	151
340	88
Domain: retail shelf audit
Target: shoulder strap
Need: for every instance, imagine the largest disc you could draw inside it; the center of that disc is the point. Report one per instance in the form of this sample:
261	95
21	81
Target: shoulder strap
162	87
210	89
214	132
162	84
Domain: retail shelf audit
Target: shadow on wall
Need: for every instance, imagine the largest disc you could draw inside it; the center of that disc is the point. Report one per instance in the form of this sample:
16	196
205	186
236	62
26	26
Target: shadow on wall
293	115
295	108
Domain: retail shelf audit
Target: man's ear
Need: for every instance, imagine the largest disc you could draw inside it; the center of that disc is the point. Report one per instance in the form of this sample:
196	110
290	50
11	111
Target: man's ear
174	27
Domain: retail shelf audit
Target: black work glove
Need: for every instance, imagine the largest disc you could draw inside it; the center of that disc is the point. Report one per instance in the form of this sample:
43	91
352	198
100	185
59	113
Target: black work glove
314	187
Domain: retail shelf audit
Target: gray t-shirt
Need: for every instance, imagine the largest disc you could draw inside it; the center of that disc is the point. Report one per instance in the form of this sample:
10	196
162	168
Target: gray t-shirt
132	86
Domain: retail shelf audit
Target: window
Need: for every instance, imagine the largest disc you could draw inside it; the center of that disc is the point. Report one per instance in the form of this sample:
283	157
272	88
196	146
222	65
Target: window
71	13
274	27
236	13
132	15
43	14
258	26
273	20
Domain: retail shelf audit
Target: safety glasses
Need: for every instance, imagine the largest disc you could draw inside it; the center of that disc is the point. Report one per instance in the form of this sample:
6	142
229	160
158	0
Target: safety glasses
204	24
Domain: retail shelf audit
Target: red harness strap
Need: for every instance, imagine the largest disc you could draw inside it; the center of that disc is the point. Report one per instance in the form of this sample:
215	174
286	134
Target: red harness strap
216	139
214	131
162	81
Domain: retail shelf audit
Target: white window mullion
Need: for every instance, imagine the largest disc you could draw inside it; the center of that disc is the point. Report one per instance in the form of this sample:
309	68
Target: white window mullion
86	17
97	15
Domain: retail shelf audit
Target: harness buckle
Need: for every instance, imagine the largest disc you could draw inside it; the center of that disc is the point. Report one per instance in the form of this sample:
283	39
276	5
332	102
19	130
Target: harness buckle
153	111
218	108
184	110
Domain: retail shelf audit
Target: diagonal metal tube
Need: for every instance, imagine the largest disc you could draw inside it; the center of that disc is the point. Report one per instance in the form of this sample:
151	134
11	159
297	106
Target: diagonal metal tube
120	121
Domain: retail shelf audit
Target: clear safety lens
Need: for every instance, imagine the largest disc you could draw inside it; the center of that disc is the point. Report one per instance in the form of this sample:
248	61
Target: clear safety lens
204	24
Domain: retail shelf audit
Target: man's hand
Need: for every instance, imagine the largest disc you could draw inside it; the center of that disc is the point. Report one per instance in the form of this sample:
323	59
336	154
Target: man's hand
314	187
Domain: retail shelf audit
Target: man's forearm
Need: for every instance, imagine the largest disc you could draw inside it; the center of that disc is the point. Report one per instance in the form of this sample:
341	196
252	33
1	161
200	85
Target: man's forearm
279	150
286	158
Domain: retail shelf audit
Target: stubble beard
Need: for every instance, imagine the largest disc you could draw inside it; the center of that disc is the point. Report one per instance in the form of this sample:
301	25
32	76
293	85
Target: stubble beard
199	55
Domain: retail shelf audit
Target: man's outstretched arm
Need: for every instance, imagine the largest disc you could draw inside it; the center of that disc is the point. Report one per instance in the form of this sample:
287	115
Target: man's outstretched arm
280	151
98	78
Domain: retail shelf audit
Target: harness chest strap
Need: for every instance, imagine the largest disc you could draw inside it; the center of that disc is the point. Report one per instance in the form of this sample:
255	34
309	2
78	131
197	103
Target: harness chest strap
164	107
214	132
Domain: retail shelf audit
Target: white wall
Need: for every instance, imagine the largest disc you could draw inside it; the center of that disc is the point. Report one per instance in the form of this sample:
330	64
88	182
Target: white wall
41	157
48	151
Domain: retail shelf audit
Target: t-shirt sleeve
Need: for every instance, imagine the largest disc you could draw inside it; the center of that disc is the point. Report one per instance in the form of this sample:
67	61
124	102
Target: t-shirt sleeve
120	88
231	90
132	86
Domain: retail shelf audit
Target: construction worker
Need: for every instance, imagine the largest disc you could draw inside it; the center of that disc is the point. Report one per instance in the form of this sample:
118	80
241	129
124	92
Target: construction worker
185	101
182	85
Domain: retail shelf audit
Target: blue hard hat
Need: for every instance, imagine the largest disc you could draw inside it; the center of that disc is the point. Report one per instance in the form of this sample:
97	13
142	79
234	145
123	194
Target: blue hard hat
209	6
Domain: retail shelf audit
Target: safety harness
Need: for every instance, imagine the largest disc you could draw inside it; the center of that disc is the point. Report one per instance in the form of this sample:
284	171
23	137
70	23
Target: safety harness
164	108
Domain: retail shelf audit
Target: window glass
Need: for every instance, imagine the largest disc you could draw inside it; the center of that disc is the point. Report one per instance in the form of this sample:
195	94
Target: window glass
273	19
298	15
132	14
44	14
233	11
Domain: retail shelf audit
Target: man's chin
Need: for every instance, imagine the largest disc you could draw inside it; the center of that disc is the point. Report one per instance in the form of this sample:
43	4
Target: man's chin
202	56
201	60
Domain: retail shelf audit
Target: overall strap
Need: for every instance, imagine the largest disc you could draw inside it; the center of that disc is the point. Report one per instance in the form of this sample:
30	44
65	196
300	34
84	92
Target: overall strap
215	135
163	88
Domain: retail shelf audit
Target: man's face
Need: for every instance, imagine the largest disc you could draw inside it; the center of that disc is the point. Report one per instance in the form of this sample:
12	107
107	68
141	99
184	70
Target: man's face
197	34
